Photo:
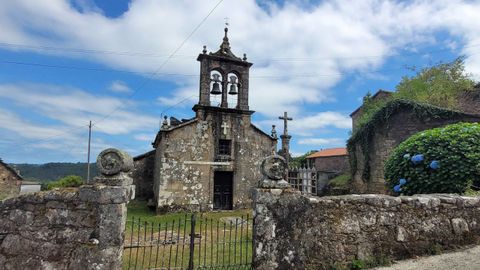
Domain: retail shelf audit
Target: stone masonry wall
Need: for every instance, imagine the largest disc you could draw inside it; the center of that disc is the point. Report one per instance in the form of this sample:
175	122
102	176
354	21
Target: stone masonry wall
186	161
400	127
332	164
298	232
142	175
9	182
64	229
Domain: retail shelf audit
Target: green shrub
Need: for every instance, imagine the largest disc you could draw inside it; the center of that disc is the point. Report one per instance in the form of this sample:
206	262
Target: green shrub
380	260
67	181
340	181
358	264
454	149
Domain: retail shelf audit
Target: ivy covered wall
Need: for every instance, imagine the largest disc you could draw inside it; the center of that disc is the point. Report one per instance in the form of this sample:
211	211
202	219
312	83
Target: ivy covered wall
370	145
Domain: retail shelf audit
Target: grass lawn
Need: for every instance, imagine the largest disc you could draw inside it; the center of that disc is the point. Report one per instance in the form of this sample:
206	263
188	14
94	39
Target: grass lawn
138	209
221	239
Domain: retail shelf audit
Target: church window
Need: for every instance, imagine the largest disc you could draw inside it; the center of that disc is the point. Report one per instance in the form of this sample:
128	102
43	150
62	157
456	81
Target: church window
224	147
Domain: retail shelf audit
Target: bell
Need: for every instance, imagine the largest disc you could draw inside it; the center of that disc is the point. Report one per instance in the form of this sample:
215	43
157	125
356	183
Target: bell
216	89
233	90
233	86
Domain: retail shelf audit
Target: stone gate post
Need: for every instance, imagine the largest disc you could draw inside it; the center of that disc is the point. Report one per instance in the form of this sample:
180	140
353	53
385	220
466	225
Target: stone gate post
270	188
110	192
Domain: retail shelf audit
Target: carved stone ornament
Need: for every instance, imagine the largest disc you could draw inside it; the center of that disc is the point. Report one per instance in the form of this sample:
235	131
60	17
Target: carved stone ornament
112	161
273	167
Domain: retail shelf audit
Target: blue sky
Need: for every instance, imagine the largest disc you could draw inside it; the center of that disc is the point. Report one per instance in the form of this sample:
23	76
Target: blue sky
63	63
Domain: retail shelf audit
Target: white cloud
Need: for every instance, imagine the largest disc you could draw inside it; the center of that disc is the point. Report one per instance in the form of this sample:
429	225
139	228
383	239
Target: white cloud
293	43
13	122
312	124
322	142
322	120
40	140
300	51
119	87
144	137
75	107
181	98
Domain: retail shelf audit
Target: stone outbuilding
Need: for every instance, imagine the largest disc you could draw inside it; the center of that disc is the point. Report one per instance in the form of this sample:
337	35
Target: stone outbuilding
10	181
370	146
328	164
212	161
333	160
380	95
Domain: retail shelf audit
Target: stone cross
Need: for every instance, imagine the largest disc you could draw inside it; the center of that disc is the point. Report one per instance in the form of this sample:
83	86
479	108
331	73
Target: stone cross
285	138
285	119
225	128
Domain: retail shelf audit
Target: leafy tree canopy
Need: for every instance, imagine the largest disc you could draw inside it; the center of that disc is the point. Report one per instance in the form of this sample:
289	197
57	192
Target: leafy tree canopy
439	85
301	160
67	181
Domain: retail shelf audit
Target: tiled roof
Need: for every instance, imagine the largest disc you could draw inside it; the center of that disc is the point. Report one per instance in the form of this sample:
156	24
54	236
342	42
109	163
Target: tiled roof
331	152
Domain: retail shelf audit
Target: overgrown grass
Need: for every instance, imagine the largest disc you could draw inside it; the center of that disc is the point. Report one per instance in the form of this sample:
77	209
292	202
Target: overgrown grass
139	209
340	181
471	192
371	262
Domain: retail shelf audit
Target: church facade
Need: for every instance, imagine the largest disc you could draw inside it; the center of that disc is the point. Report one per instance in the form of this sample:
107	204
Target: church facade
212	161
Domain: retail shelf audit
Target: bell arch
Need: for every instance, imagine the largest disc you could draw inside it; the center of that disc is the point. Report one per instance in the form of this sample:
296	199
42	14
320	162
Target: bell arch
233	87
216	86
227	65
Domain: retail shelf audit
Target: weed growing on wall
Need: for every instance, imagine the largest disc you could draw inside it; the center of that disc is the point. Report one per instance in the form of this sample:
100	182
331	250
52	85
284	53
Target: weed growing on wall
440	160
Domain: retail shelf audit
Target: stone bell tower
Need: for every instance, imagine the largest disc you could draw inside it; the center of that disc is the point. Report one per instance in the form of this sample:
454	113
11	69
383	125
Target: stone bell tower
223	79
212	160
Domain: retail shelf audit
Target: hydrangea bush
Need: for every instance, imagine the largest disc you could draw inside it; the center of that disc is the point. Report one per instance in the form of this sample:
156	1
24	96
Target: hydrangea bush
440	160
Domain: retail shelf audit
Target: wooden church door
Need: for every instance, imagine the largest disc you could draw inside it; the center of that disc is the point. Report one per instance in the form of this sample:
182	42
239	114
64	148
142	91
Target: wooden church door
223	191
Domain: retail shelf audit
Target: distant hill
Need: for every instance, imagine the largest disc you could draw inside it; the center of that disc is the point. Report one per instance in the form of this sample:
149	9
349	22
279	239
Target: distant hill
53	171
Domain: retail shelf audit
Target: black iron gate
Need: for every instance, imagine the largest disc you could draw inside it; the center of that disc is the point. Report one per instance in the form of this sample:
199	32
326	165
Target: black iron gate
190	242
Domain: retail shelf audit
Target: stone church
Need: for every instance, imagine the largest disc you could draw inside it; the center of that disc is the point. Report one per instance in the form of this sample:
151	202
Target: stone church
212	161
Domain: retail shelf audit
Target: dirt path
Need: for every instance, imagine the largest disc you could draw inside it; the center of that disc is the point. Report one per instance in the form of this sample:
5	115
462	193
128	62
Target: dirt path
468	259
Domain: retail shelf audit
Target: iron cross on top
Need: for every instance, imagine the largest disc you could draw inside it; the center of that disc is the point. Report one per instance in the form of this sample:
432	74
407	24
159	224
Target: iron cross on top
285	119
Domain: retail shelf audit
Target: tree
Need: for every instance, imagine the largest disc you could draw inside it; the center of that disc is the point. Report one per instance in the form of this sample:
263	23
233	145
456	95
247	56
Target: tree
439	85
301	160
67	181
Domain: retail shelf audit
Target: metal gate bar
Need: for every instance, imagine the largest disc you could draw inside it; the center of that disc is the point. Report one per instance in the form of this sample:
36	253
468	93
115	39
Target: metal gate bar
189	243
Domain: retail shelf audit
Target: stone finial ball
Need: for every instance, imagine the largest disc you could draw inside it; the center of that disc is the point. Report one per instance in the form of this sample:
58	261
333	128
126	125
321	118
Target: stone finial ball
112	161
273	167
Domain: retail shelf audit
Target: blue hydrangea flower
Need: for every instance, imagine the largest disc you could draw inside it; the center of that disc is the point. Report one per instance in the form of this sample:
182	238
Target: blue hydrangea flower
397	188
402	182
406	156
417	159
435	165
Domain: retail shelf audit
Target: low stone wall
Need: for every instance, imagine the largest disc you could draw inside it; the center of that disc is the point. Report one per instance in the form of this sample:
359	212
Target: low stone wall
64	229
298	232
